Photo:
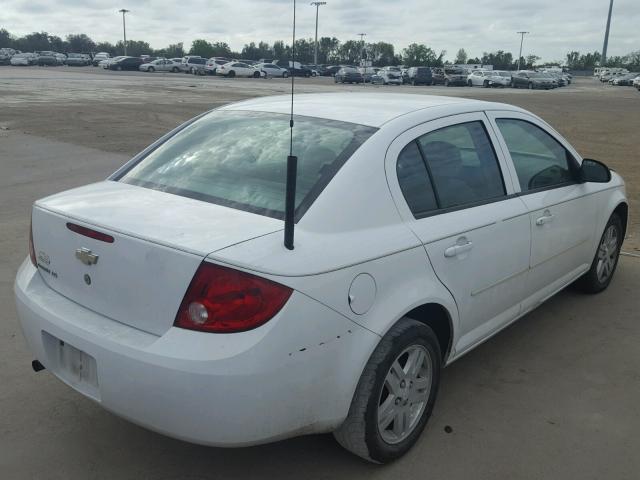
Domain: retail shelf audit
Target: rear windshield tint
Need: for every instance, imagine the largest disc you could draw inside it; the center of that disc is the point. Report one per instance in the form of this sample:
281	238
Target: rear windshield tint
238	159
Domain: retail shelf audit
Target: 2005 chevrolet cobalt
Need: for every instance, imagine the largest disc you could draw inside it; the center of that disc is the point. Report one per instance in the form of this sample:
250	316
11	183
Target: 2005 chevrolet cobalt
423	226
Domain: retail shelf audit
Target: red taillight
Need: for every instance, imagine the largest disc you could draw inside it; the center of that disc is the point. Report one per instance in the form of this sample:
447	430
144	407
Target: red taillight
32	250
87	232
223	300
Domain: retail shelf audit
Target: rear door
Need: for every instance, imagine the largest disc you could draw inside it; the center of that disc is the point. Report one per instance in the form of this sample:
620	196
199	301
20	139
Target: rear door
455	192
562	211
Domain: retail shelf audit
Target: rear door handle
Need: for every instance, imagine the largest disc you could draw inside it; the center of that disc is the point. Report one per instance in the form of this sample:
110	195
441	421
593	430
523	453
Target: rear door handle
461	246
547	217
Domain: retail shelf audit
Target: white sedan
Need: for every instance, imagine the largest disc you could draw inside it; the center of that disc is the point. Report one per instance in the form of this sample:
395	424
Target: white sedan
238	69
424	225
160	65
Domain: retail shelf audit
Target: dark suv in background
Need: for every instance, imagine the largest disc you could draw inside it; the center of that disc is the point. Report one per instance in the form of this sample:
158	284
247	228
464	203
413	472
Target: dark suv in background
126	63
418	76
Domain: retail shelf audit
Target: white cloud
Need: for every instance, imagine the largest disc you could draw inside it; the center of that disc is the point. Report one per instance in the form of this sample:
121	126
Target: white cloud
477	25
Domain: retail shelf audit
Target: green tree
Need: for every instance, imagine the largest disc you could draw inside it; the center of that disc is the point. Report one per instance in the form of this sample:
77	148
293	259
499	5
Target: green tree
202	48
418	54
461	56
108	47
175	50
6	39
381	54
80	43
32	42
135	48
500	60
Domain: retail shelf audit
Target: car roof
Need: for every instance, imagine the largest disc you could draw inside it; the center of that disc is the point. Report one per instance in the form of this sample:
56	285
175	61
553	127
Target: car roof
372	109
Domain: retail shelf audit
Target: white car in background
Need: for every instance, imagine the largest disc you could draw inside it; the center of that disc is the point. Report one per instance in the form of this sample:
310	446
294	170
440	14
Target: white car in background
424	225
273	70
390	75
23	59
489	78
161	65
238	69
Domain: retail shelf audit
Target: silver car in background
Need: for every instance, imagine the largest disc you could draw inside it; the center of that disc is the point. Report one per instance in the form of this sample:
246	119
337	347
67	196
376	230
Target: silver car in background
489	78
23	59
160	65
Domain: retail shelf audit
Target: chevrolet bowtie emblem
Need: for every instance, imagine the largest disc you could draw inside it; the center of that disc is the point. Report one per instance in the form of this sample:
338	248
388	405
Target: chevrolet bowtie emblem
86	257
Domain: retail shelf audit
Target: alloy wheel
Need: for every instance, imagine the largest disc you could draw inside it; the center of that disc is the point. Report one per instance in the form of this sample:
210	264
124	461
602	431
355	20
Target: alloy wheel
607	254
405	394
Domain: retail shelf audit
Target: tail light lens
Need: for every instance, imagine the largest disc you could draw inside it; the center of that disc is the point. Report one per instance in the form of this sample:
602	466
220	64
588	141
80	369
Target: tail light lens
224	300
32	250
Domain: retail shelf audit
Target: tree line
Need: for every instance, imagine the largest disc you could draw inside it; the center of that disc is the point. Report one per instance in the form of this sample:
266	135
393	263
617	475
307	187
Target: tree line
330	51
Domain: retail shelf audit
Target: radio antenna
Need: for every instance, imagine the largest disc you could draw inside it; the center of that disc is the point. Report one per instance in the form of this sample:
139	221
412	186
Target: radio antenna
292	160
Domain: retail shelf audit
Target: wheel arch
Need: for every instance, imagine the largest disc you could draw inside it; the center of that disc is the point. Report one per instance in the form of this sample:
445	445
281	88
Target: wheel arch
623	212
437	317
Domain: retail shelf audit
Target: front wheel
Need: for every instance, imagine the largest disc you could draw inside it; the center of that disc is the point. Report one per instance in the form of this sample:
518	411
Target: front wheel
286	75
256	74
175	70
231	74
151	69
606	259
395	395
119	68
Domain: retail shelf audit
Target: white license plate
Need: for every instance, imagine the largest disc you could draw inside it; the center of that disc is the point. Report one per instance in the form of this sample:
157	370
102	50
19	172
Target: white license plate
72	365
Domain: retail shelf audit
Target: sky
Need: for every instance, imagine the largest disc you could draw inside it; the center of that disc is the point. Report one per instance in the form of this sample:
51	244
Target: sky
478	26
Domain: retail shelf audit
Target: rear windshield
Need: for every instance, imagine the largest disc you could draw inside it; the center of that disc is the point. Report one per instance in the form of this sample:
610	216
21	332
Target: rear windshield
238	159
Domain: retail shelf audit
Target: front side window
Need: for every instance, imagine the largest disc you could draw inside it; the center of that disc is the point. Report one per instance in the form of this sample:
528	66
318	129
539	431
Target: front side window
459	167
540	160
238	159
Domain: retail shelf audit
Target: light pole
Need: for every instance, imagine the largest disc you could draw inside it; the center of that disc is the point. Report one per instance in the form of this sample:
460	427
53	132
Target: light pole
603	58
124	29
315	50
522	34
362	35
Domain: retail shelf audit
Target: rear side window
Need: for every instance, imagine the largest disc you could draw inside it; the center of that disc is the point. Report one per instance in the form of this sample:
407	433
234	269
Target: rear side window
459	168
540	160
238	159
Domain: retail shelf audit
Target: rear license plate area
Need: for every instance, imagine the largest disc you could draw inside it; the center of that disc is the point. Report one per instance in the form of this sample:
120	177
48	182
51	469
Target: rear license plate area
71	365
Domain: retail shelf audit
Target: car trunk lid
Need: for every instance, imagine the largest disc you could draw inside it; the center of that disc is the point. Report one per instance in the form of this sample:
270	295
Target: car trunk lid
158	242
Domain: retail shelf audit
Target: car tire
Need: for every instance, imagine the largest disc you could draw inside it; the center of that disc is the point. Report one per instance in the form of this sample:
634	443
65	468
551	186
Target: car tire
175	69
605	259
307	75
231	74
256	74
469	83
151	69
119	68
360	432
446	83
485	84
286	75
335	79
530	85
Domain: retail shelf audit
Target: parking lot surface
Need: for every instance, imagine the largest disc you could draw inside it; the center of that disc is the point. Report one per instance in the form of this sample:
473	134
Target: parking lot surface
553	396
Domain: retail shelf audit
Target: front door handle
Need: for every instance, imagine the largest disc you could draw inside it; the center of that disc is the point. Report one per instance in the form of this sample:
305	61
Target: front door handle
547	217
461	246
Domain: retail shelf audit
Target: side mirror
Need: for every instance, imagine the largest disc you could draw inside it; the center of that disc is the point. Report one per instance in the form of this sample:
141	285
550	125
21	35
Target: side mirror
594	171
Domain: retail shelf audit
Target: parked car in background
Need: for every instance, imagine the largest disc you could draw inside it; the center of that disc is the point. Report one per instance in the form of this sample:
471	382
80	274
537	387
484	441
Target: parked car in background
160	65
331	70
624	80
77	60
531	80
636	82
391	75
454	77
23	59
349	75
368	73
238	69
61	58
192	64
488	78
297	69
273	70
213	63
376	79
165	294
47	59
98	57
6	54
108	61
437	73
125	63
419	76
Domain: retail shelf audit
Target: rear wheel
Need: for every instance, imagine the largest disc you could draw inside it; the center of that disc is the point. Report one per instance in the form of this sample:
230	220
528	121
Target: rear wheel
395	395
256	74
606	259
231	74
119	68
151	69
175	70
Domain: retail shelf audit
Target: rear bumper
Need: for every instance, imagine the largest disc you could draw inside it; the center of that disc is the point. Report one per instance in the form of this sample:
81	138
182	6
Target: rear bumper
294	375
